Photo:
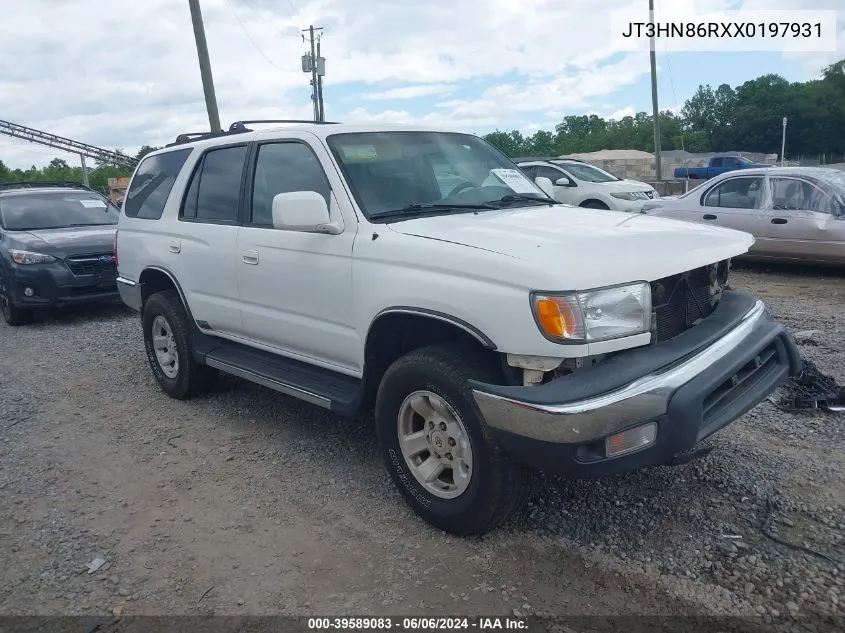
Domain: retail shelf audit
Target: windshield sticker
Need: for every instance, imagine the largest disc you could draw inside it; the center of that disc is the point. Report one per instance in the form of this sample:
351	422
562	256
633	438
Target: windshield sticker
515	179
359	152
93	204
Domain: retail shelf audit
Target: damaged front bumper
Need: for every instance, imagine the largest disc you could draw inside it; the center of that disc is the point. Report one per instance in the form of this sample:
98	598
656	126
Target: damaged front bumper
680	391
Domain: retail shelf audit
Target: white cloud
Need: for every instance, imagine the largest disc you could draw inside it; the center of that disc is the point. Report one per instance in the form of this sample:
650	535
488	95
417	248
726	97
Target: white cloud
408	92
622	113
130	77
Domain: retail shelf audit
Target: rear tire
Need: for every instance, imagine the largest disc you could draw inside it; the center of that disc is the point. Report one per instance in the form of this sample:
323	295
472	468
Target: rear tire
12	314
484	487
167	340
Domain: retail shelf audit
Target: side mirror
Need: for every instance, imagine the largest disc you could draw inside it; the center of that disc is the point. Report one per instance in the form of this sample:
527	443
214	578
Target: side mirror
546	185
304	211
564	182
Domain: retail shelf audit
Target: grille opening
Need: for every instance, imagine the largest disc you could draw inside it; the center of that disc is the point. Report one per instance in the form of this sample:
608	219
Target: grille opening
92	265
736	387
680	301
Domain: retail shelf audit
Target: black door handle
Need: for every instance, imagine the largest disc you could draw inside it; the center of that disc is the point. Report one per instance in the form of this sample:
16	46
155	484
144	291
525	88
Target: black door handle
778	221
709	216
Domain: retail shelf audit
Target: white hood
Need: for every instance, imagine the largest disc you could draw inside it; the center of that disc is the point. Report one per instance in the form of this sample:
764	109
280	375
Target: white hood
627	185
596	247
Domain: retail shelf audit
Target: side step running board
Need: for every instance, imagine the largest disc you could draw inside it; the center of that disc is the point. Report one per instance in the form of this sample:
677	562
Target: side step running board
322	387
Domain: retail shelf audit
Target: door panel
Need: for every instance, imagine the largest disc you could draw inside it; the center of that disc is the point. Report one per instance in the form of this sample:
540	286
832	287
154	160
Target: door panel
296	287
735	203
204	257
562	194
799	223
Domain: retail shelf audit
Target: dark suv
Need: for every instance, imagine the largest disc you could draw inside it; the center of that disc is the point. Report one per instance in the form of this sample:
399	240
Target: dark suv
56	247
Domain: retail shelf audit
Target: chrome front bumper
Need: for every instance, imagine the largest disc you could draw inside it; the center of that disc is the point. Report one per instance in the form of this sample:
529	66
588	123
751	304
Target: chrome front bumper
644	399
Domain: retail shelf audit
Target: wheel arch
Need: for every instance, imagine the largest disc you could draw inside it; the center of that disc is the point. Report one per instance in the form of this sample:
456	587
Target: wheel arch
157	279
398	330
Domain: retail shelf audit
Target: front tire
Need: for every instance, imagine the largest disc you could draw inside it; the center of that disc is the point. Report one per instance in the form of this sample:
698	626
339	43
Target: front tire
167	340
12	314
437	447
595	204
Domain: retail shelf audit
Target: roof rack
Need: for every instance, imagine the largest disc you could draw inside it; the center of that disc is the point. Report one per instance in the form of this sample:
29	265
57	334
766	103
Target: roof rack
241	125
34	184
238	127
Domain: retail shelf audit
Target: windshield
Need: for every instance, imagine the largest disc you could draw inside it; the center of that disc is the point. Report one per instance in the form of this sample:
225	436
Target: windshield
55	210
392	172
744	160
588	173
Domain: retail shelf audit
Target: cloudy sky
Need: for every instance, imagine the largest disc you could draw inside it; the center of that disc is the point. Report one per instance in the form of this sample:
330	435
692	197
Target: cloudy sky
121	73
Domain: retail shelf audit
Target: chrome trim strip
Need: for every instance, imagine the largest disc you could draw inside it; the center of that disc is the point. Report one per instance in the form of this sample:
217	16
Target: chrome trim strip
126	282
597	417
288	390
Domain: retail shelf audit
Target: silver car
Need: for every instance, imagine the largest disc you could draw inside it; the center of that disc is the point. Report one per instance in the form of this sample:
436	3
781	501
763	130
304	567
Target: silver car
796	214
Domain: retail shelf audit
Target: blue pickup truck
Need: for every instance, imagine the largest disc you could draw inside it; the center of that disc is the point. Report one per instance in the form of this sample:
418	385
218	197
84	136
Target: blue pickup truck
718	165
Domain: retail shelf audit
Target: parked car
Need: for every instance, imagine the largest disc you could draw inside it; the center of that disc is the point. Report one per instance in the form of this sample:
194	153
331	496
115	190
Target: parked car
56	243
796	214
718	165
580	184
493	330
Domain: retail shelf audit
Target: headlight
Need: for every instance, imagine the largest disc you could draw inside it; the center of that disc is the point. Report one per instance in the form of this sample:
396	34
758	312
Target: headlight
28	257
594	315
631	195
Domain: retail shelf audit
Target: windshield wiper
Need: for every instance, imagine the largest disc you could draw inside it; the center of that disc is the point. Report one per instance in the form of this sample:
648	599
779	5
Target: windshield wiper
518	197
418	209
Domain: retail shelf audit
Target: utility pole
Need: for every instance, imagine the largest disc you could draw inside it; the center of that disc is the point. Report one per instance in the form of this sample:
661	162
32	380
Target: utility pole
321	113
312	63
205	66
783	142
654	107
84	170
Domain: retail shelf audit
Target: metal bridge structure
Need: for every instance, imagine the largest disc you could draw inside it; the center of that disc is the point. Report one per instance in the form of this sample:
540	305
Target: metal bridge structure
68	145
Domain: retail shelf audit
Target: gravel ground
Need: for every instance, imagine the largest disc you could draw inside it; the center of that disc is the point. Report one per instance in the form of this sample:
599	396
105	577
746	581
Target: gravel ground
247	502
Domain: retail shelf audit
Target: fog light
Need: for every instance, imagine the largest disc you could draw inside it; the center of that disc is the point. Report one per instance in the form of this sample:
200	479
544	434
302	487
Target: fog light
28	291
631	440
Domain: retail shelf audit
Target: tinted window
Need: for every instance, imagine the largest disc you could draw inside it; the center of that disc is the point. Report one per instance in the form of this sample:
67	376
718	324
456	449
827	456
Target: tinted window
189	205
529	170
284	168
220	184
589	173
736	193
152	183
547	172
22	212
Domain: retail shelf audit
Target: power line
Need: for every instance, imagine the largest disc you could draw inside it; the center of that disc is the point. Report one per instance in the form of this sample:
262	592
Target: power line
249	37
672	86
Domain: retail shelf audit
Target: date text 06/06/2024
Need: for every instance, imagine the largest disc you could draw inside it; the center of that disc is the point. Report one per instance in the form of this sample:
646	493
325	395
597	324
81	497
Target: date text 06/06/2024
417	623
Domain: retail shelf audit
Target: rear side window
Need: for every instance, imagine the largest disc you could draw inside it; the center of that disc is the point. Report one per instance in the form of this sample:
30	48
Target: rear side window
215	189
150	188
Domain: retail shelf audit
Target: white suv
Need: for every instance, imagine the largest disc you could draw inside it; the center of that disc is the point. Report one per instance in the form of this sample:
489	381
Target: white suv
421	273
583	185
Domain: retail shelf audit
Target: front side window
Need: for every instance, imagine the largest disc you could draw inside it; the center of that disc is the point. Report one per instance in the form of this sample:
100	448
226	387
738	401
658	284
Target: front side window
412	172
285	168
736	193
219	190
549	172
55	210
589	173
151	184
